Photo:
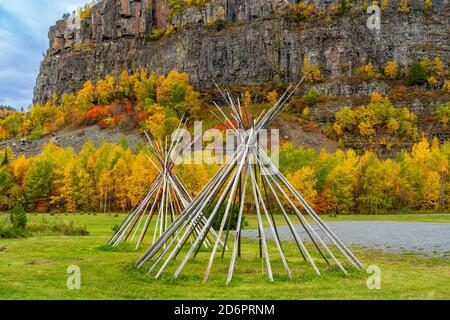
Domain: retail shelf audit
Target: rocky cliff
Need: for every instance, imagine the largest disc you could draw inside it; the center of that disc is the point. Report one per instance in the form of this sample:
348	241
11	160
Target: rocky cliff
243	42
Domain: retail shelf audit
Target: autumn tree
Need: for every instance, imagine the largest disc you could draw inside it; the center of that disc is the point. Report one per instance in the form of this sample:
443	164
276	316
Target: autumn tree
175	92
391	70
142	174
6	184
404	6
40	182
443	114
311	72
431	191
368	71
120	173
86	96
339	174
105	189
304	181
65	196
105	90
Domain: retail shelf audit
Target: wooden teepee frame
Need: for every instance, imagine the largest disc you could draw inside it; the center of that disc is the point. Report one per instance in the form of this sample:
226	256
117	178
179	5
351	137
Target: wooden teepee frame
248	169
166	198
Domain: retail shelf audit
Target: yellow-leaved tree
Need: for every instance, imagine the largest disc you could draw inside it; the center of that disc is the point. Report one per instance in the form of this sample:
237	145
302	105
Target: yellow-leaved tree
105	90
304	181
431	190
120	173
391	70
311	72
142	174
86	96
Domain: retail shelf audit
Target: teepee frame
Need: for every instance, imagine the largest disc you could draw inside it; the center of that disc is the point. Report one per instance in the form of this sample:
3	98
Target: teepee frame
165	198
248	170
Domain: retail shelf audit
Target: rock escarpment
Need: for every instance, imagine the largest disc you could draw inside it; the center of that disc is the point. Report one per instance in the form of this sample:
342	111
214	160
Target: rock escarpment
261	42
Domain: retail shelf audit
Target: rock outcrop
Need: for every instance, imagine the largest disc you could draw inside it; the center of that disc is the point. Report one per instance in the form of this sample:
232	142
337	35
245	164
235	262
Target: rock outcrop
261	41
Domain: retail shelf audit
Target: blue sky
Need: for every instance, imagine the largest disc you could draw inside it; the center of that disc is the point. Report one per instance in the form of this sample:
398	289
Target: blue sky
23	37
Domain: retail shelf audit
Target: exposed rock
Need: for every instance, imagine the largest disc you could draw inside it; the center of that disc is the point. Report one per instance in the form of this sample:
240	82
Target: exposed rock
260	44
74	139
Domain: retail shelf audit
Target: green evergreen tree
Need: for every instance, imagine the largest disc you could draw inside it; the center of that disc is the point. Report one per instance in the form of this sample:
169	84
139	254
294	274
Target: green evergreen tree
18	217
417	74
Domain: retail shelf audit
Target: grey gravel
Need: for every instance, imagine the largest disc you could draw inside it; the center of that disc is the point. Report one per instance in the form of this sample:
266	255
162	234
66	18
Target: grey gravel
398	237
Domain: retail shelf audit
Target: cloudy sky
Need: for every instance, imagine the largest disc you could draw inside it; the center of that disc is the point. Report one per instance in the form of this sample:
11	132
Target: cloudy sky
23	38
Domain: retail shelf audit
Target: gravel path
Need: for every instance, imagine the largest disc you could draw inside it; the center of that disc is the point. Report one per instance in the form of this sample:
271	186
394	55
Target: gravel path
417	237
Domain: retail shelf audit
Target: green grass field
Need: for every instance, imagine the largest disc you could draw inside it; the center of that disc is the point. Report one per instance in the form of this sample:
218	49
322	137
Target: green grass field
35	268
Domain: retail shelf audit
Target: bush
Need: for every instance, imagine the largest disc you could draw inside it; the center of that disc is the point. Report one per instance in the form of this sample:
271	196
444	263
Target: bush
220	24
36	134
368	72
11	233
156	34
443	114
310	97
344	7
59	228
417	74
18	217
232	218
7	231
379	113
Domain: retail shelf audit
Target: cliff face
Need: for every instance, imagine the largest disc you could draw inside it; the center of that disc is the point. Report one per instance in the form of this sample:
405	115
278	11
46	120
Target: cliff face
261	42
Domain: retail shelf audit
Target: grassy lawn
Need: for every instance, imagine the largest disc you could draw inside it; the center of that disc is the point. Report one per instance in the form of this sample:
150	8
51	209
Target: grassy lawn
35	268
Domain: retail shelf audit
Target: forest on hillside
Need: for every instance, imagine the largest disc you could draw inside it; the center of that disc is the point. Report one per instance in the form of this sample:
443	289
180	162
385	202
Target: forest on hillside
113	177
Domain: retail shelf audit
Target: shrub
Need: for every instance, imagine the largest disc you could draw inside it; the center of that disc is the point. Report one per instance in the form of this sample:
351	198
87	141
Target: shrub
446	86
346	118
220	24
391	70
7	231
344	7
36	134
443	114
11	233
310	97
18	217
403	8
86	12
232	218
98	113
59	228
176	7
368	72
170	31
427	6
417	74
156	34
379	113
302	11
311	72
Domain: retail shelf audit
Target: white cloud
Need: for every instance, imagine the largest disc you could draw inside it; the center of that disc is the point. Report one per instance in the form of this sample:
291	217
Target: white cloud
24	26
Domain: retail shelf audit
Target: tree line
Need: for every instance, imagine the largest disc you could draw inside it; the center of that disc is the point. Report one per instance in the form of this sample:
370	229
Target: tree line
113	177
